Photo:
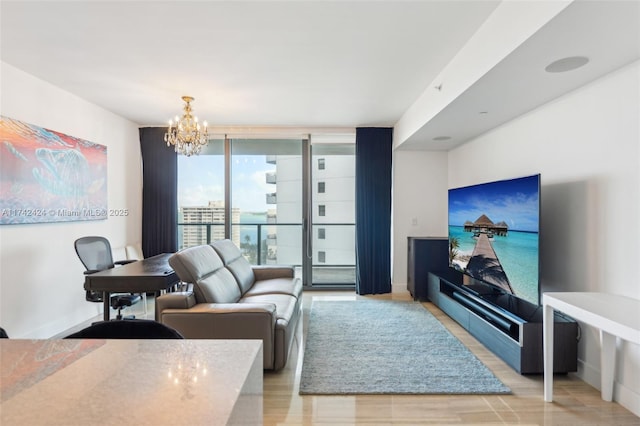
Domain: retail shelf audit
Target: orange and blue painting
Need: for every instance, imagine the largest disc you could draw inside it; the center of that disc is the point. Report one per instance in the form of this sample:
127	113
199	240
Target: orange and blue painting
48	176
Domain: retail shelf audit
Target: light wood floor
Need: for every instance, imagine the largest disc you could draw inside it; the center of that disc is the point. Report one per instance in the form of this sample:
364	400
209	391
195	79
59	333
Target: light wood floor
575	402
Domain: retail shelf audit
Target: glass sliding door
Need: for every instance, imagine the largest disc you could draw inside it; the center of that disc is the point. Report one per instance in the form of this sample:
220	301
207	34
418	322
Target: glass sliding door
332	212
266	198
282	201
201	195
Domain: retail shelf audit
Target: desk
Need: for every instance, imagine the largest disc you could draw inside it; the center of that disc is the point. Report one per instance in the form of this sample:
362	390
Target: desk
152	274
615	316
131	382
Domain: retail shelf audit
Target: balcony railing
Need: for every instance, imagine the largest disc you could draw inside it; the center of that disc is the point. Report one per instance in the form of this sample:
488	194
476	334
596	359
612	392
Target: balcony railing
262	246
272	198
271	177
255	250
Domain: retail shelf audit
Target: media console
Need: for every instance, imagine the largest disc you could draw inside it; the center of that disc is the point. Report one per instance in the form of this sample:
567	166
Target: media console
508	326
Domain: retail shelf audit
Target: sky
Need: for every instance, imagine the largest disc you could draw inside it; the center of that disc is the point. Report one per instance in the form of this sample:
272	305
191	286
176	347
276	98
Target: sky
515	202
201	179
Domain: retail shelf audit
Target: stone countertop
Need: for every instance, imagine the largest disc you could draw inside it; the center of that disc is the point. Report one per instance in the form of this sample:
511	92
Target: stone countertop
130	382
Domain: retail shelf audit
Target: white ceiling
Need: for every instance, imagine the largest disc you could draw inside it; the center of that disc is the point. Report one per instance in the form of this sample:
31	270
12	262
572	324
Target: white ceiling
606	32
338	64
246	63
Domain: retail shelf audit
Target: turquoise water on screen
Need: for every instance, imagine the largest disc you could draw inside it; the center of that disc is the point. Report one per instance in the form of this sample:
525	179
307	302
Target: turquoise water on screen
518	255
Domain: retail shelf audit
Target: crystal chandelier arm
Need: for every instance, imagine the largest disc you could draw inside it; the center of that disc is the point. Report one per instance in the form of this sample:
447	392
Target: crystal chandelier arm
188	135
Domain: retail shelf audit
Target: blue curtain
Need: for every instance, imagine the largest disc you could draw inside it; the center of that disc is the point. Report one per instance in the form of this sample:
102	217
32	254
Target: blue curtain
159	193
373	210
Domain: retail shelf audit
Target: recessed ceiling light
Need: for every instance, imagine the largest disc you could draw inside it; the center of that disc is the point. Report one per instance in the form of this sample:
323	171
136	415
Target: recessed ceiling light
567	64
442	138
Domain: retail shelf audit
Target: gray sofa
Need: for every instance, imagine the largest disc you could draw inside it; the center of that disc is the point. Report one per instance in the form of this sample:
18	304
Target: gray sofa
232	299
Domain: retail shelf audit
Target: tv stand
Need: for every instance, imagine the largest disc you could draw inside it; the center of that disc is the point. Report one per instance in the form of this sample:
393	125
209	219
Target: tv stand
508	326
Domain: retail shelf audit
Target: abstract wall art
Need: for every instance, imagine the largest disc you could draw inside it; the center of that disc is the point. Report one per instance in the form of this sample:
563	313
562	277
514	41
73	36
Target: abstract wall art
48	176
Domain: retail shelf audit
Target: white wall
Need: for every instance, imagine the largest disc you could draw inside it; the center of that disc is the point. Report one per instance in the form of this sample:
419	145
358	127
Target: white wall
419	203
41	278
586	147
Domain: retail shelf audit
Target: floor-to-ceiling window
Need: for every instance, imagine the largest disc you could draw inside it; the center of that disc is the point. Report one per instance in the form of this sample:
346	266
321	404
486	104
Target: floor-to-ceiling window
266	189
201	196
332	232
282	201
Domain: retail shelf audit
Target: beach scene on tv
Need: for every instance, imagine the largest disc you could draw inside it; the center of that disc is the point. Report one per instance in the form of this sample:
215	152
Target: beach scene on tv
494	234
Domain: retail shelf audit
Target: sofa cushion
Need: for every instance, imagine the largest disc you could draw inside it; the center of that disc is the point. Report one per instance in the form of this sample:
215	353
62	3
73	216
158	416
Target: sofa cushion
193	263
236	263
212	282
218	287
288	286
286	305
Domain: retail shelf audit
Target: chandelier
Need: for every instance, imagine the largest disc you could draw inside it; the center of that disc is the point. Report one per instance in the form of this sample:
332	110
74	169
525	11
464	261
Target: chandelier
186	134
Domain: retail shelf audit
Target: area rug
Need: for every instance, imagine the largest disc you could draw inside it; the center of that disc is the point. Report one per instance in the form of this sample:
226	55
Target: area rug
387	347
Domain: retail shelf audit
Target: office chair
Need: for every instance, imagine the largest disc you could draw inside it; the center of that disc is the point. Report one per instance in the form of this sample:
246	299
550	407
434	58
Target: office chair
134	251
95	255
127	329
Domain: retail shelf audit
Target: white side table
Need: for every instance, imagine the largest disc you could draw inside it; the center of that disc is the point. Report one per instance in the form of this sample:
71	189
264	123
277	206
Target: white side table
615	316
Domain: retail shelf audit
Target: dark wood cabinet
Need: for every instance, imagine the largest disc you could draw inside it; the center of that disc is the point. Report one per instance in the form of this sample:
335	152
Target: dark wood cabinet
424	255
509	327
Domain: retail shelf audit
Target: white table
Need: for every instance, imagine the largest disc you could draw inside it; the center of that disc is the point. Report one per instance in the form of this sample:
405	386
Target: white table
130	382
615	316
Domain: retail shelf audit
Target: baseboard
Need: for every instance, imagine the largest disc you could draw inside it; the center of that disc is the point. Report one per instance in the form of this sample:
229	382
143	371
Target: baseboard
589	374
621	394
57	327
627	398
399	288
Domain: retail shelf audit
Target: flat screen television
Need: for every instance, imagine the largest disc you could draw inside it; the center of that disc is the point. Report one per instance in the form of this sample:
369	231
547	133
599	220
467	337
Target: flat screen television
494	235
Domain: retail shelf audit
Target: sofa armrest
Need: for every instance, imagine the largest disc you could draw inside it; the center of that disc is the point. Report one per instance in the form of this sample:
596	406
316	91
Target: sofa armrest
223	321
176	300
264	272
227	321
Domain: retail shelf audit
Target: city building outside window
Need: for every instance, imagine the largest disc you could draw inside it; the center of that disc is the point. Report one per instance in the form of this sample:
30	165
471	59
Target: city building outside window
265	212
